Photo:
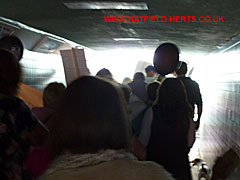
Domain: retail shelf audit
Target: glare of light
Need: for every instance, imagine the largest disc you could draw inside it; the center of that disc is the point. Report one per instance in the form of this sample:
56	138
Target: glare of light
127	39
212	69
121	62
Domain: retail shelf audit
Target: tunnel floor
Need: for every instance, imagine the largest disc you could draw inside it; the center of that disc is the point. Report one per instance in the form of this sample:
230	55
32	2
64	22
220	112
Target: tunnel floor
195	153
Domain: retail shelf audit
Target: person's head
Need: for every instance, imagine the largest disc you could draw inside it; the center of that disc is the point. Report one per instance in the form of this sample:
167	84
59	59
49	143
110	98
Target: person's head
126	80
105	73
92	117
166	58
52	94
172	101
150	71
152	90
12	44
10	73
182	71
138	76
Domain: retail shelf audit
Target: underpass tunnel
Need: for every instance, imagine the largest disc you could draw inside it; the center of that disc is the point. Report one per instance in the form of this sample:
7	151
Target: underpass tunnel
211	50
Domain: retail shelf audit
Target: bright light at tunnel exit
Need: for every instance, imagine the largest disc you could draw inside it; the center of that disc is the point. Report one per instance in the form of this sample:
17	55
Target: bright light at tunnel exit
121	62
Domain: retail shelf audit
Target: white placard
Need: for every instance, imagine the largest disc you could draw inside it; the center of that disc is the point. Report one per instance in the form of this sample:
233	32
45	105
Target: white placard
74	63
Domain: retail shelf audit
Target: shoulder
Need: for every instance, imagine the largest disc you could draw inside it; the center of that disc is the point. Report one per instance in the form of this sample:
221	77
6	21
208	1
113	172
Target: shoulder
11	102
19	109
194	82
138	169
188	80
118	170
195	85
23	107
149	167
130	84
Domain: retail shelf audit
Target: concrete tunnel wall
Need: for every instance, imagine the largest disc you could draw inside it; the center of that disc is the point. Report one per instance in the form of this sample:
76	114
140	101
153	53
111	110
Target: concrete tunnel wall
220	85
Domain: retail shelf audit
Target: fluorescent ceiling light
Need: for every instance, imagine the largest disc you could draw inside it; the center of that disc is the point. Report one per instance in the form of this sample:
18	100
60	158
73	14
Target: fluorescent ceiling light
133	39
126	39
106	5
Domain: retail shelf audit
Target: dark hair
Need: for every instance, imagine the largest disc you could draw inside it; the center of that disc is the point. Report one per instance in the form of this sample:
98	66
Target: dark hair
10	73
172	104
52	94
166	58
105	73
152	90
92	117
8	42
183	69
138	75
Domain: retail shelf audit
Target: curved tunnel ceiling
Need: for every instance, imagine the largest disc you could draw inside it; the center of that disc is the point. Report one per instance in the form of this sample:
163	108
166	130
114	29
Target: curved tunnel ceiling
87	27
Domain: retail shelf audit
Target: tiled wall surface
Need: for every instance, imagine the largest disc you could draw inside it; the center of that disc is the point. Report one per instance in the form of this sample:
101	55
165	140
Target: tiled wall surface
220	127
41	69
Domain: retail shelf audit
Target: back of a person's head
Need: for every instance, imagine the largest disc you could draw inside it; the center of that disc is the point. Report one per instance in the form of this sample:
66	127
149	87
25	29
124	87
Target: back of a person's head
52	94
149	68
150	71
183	69
10	73
13	44
104	73
138	76
166	58
126	80
152	90
92	117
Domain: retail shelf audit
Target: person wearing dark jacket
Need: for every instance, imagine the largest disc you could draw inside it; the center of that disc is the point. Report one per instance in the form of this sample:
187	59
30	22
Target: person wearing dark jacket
192	89
138	86
168	144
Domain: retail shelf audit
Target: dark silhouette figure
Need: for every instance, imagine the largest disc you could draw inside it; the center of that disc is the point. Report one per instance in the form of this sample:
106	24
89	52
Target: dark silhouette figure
138	86
169	132
18	126
192	89
152	90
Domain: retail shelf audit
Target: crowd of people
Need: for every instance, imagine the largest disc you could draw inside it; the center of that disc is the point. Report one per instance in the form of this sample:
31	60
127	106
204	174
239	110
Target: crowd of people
97	128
